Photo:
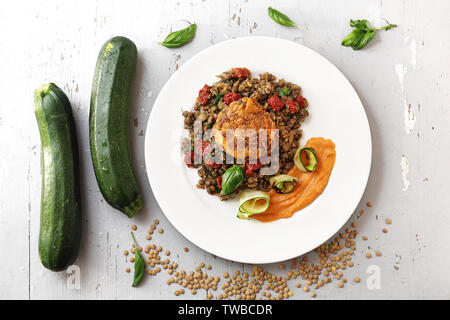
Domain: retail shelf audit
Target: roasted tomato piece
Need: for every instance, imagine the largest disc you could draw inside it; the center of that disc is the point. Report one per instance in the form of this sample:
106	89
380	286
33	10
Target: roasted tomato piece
275	102
204	95
202	147
219	182
292	106
231	96
240	72
211	163
250	168
300	100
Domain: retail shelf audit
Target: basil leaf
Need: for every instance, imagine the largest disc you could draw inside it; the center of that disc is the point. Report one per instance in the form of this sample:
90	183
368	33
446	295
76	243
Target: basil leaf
364	40
139	264
284	92
361	24
353	38
179	38
232	178
280	18
362	34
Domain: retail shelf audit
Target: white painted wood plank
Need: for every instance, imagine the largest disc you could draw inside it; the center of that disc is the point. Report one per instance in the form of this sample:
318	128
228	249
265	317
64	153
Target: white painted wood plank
59	41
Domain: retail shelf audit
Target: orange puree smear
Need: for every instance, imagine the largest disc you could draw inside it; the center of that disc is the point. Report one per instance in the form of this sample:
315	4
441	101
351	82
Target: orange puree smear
310	185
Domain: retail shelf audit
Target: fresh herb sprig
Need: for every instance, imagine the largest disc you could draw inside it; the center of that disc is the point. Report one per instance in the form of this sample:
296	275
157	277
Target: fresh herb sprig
179	38
363	33
139	264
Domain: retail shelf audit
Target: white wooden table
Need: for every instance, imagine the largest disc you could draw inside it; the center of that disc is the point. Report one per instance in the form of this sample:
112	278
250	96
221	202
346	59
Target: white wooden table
402	78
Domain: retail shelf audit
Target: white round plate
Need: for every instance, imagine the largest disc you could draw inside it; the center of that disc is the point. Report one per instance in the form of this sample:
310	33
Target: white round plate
335	111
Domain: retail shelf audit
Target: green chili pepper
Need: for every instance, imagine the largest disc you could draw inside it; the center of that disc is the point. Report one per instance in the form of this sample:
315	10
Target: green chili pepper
179	38
232	178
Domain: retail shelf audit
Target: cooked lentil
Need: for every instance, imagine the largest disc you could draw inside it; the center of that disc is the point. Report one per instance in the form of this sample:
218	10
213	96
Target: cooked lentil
287	119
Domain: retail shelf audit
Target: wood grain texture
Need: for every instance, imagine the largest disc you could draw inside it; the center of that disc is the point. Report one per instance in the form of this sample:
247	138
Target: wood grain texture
58	41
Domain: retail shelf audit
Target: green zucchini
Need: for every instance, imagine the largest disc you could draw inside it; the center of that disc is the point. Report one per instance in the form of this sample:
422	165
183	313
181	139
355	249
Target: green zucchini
312	160
60	227
109	125
283	183
252	202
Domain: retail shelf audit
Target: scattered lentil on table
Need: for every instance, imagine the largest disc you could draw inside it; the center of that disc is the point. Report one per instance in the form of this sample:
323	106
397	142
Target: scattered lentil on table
332	259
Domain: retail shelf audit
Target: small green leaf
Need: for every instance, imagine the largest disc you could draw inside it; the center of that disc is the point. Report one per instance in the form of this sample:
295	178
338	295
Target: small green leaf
360	24
368	36
218	98
280	18
232	178
284	92
179	38
353	38
139	264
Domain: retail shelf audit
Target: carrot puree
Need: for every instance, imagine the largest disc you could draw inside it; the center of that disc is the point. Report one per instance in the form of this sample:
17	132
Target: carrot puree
310	185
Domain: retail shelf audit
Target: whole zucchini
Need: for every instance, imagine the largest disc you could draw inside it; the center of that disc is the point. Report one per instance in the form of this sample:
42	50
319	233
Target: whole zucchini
109	125
60	229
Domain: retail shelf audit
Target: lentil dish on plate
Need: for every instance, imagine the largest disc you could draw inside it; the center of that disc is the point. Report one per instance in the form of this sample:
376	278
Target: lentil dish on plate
332	101
275	104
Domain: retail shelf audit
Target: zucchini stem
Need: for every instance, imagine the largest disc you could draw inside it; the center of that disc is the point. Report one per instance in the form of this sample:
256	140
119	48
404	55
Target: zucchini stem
134	206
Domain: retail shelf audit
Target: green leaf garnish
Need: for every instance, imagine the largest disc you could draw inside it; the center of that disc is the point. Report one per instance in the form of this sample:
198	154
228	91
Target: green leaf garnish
218	98
362	34
139	264
179	38
284	92
232	178
361	24
280	18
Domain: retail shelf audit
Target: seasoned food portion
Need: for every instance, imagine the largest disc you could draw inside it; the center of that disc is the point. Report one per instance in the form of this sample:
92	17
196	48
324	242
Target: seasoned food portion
239	101
249	116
